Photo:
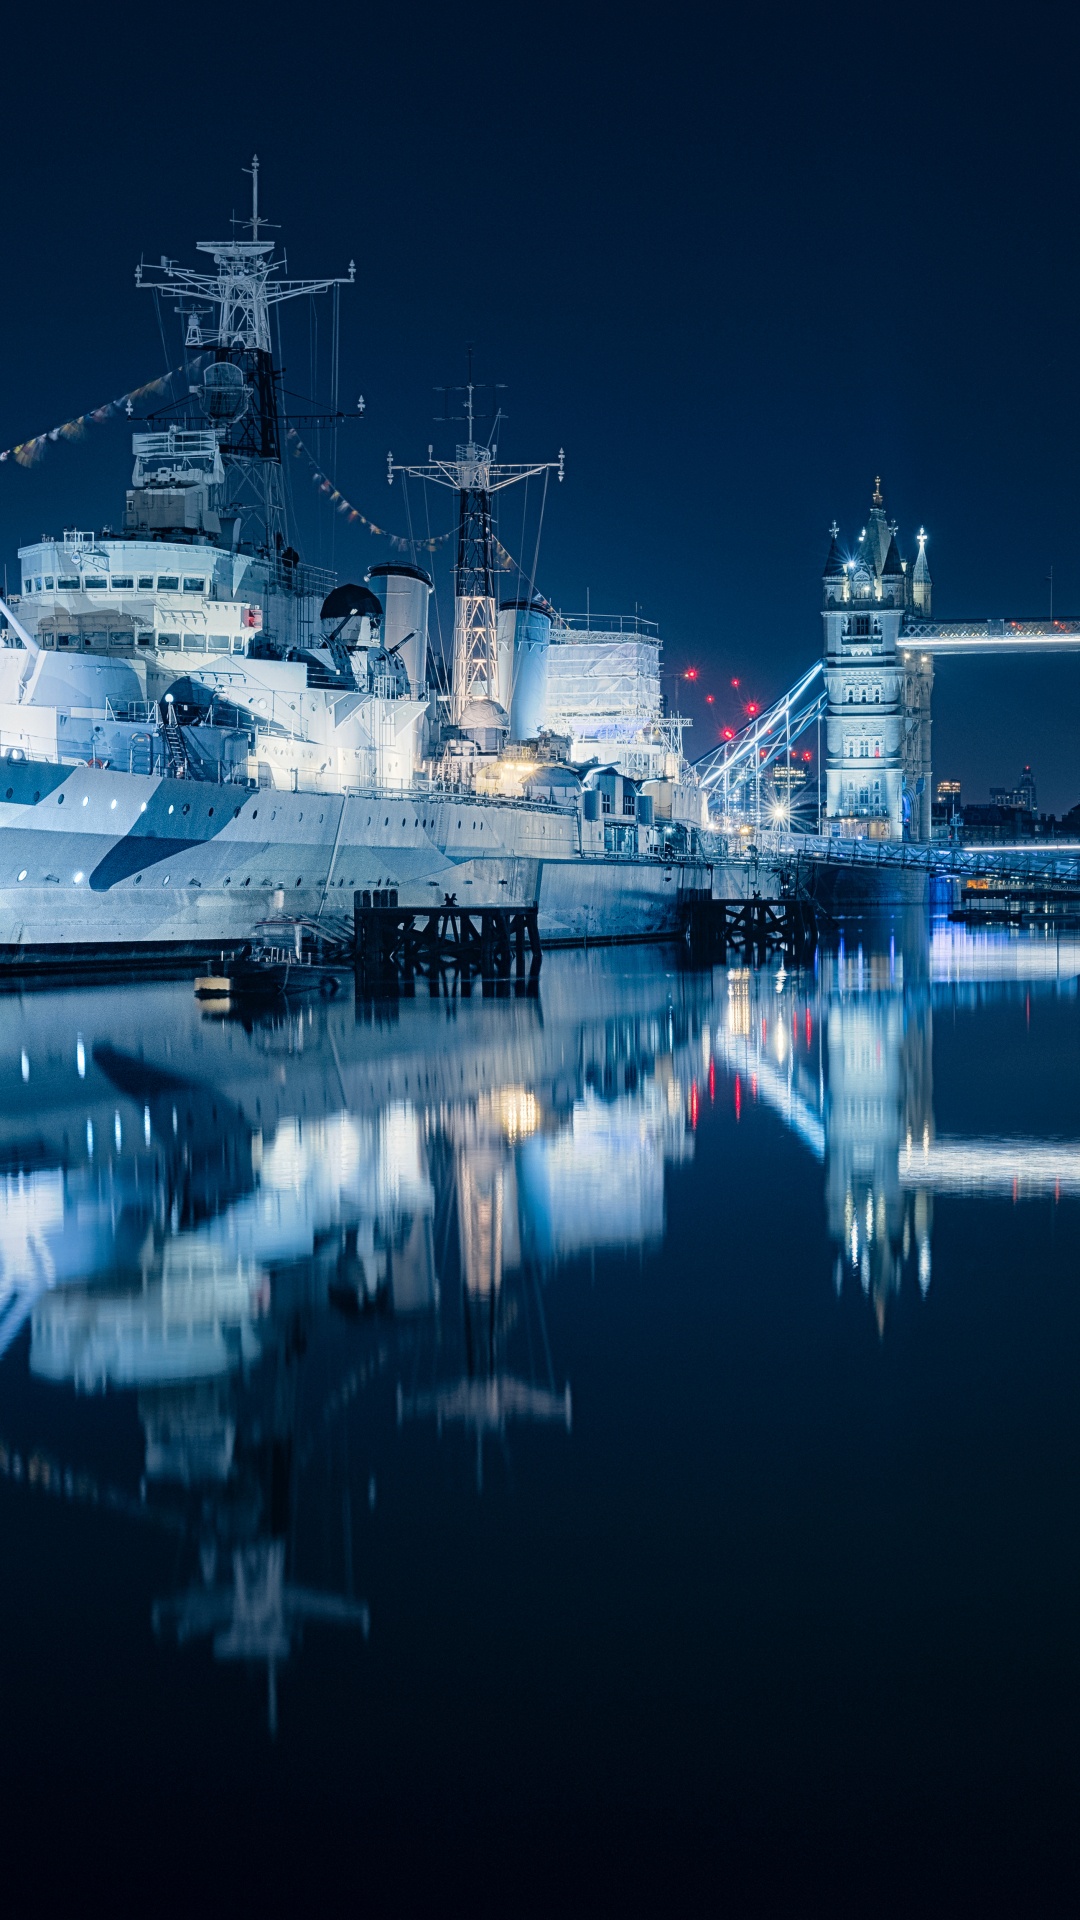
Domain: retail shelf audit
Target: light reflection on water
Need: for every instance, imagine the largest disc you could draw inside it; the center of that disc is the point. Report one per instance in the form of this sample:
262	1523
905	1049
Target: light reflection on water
292	1242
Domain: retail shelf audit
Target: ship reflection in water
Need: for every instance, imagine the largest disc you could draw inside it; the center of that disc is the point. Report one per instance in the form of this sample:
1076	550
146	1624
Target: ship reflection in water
297	1240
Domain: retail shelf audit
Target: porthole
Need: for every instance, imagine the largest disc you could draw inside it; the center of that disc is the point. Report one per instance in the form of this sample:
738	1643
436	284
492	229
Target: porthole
299	817
273	814
403	819
10	791
386	822
165	882
300	880
236	813
138	879
226	880
37	797
22	875
247	882
254	813
59	799
187	808
320	819
210	813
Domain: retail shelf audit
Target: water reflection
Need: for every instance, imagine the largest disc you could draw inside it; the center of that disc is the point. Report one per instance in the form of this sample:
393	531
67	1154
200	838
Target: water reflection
256	1228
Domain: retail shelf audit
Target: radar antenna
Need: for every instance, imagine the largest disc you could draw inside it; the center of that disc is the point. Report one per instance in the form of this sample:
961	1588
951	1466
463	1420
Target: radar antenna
228	318
475	475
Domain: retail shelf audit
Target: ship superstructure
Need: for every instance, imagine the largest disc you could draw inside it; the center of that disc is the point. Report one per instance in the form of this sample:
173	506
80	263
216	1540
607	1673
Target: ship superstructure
197	647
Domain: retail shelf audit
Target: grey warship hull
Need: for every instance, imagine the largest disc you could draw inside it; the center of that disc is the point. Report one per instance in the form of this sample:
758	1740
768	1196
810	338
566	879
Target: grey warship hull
110	865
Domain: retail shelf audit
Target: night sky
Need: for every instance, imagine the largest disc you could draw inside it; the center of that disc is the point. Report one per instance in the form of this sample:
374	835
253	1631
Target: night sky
735	261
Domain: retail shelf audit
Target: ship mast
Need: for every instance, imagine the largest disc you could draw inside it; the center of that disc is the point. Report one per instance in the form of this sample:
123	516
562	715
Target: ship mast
228	319
475	476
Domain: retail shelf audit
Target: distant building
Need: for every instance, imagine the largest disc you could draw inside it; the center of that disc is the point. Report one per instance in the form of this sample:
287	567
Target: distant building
1022	795
945	812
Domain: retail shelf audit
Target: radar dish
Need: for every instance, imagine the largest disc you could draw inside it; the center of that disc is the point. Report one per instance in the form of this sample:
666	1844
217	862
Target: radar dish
225	391
349	599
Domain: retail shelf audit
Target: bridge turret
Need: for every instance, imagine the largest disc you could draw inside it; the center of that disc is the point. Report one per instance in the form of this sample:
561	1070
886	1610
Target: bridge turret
835	583
920	580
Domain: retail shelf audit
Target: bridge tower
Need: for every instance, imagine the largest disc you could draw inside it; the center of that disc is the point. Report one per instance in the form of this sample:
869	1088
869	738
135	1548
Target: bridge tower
878	713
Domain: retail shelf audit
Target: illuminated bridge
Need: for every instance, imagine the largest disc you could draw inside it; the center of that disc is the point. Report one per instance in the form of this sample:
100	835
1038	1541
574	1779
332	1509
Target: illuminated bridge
735	769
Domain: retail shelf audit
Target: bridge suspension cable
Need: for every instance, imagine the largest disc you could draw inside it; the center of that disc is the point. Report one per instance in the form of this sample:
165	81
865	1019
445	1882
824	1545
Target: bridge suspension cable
766	738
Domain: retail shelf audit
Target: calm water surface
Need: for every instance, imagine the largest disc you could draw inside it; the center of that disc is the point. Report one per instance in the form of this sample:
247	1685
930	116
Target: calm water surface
615	1450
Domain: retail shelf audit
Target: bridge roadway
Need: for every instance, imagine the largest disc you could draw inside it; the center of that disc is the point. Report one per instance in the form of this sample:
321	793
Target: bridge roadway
942	637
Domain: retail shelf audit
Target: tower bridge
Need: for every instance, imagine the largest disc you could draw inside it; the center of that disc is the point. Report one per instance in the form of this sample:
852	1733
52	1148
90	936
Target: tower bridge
871	688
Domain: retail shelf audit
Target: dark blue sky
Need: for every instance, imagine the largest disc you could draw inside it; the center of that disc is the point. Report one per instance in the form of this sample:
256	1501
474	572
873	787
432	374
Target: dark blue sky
735	262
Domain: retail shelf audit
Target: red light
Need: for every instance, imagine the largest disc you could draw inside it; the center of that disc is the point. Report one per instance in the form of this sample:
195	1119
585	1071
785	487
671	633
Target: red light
712	1081
736	683
808	756
751	706
738	1097
709	698
693	1104
691	673
729	733
809	1027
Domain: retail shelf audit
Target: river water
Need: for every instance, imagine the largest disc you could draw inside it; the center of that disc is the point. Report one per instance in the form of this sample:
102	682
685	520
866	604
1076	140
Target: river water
610	1449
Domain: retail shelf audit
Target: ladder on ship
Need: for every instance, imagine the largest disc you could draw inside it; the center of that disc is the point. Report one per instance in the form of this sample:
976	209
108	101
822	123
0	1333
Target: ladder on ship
174	741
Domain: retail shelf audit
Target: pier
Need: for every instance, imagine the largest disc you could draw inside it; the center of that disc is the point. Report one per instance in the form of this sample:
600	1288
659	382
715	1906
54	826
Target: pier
395	942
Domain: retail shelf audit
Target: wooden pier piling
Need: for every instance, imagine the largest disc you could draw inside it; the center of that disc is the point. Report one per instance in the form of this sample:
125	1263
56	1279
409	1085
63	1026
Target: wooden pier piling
752	926
395	942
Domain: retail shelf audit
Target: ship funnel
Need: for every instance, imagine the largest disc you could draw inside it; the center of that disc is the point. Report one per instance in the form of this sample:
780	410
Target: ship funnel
225	392
405	591
524	636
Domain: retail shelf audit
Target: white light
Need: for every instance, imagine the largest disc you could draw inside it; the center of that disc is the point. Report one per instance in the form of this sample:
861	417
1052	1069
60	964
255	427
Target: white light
90	1138
22	874
142	809
25	1065
80	1057
86	799
118	1134
146	1124
78	876
112	805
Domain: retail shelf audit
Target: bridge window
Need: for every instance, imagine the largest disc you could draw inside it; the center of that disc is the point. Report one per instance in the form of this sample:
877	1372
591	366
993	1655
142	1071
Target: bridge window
862	626
862	697
851	696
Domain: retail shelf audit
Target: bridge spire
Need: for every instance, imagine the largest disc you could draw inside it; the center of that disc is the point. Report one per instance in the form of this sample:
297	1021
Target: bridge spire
921	582
834	564
879	497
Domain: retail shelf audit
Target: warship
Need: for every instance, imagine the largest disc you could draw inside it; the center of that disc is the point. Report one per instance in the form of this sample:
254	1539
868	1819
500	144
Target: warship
199	730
